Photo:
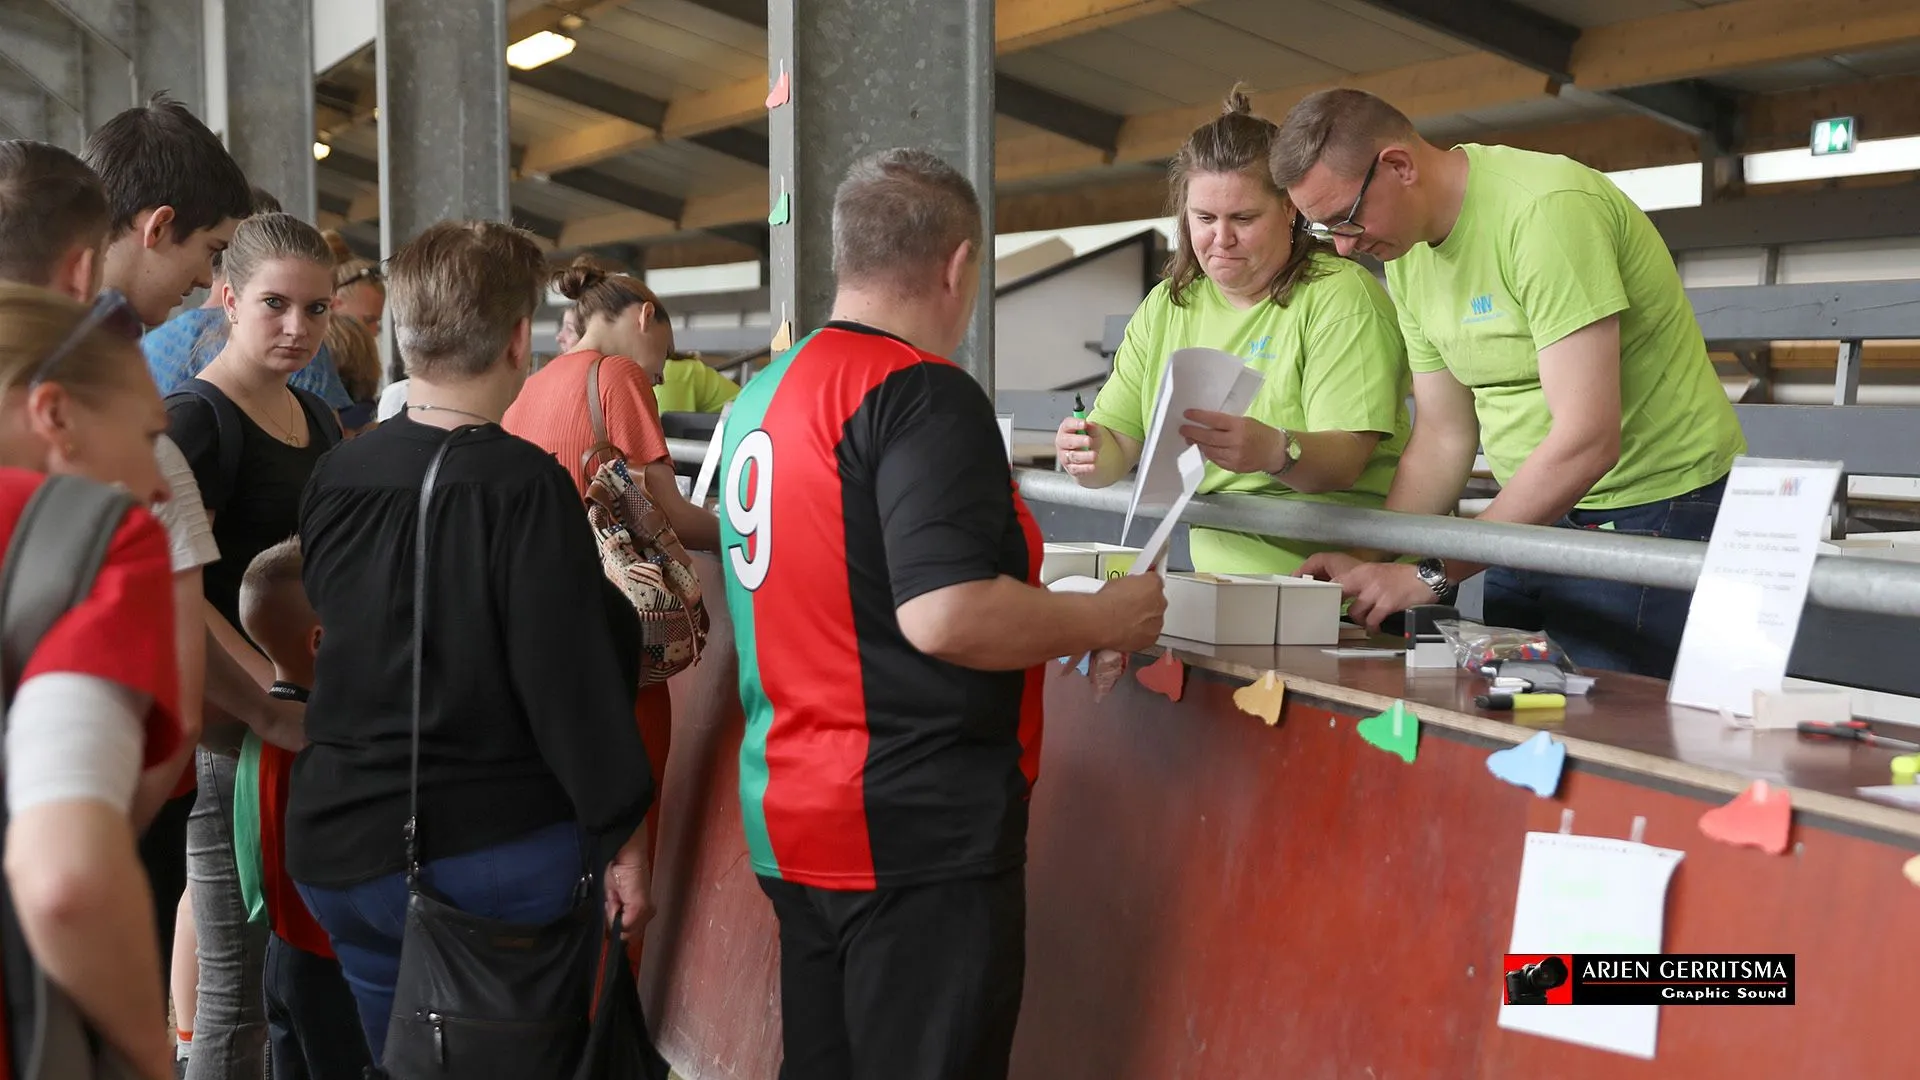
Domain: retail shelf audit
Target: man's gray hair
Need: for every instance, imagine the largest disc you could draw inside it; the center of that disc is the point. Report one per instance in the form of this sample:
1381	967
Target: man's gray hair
898	214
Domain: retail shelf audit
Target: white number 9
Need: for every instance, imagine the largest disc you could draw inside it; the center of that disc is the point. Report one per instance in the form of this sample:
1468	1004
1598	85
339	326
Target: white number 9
753	519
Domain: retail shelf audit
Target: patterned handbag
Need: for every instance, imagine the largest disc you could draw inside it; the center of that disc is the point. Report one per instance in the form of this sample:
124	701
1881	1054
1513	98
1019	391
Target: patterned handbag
641	554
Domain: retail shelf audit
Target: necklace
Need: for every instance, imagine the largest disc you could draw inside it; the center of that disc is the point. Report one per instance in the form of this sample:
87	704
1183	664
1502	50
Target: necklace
446	408
287	434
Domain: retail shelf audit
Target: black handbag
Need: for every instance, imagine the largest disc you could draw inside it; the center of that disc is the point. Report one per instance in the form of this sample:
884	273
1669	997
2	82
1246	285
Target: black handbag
619	1047
478	998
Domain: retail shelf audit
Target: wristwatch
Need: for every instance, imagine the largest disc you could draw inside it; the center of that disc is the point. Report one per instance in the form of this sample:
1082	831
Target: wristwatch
1433	574
1292	451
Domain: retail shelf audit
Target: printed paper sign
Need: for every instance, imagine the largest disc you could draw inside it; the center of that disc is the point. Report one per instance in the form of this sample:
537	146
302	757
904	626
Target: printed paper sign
1746	606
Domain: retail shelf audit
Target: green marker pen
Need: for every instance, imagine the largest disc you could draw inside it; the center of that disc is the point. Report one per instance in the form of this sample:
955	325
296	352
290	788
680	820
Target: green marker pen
1079	408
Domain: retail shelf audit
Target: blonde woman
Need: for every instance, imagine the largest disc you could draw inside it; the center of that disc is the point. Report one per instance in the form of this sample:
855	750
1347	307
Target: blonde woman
98	700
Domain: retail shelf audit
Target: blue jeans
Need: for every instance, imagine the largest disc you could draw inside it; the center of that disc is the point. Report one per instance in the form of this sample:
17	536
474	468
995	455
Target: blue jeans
530	880
1609	625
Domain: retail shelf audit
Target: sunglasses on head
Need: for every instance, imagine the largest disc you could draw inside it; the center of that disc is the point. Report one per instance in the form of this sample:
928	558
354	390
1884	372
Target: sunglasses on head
111	311
365	273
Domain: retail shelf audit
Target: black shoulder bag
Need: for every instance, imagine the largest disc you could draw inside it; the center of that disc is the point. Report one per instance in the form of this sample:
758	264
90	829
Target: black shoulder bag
479	998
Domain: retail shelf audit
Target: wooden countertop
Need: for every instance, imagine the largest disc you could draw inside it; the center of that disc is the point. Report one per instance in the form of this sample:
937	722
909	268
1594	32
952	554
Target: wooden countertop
1624	727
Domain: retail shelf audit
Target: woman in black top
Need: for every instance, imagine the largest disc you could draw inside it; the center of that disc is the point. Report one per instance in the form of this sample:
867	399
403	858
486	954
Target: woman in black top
531	768
252	441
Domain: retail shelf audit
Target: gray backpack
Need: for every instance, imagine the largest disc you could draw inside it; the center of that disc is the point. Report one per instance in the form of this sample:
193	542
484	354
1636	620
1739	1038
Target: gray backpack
51	562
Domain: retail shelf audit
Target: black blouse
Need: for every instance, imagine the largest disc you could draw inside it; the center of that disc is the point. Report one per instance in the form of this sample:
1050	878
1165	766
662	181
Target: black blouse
531	661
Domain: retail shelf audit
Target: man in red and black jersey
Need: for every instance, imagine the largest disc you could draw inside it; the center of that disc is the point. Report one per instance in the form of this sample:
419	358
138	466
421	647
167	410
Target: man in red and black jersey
883	573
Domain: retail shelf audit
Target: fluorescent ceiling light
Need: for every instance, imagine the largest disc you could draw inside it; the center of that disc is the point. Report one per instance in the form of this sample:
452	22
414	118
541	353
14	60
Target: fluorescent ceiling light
542	48
1663	187
321	150
1869	156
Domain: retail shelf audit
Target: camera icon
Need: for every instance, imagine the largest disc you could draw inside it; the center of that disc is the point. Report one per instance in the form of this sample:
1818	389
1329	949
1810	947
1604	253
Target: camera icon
1529	985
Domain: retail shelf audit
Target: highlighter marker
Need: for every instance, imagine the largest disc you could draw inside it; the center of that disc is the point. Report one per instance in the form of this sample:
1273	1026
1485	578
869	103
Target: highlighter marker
1079	408
1521	701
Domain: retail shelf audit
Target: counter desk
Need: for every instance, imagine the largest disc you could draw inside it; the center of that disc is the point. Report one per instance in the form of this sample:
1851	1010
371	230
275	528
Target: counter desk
1211	897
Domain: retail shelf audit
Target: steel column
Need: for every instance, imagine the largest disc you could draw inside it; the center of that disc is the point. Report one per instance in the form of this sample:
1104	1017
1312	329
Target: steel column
270	98
443	115
868	75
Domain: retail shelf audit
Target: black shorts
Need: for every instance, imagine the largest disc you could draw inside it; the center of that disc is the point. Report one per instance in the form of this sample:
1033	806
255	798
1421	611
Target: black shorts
914	983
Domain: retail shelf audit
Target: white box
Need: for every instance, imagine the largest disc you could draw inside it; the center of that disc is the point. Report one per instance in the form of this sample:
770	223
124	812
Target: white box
1221	610
1085	559
1308	610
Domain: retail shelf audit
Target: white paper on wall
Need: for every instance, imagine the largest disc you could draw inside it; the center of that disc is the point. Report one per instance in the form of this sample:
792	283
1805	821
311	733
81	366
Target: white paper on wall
1591	894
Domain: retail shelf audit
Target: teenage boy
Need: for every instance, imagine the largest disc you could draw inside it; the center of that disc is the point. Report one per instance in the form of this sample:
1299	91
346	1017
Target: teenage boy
174	197
313	1025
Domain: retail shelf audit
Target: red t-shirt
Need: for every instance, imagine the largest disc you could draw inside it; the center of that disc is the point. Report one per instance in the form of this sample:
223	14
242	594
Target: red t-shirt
122	631
286	912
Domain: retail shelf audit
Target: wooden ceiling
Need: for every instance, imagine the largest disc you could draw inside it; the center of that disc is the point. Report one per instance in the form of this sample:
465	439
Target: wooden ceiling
653	132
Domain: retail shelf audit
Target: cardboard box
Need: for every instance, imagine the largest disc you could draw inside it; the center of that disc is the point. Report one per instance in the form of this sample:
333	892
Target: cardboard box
1222	610
1308	610
1085	559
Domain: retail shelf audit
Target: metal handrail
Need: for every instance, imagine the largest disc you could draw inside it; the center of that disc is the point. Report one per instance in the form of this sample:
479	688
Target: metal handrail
1845	583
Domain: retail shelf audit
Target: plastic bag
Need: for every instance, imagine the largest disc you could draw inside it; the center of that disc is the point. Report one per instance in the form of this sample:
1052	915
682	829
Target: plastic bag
1476	645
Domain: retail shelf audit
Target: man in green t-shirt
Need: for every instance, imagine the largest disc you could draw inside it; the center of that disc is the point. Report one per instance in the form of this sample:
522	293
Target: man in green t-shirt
1545	321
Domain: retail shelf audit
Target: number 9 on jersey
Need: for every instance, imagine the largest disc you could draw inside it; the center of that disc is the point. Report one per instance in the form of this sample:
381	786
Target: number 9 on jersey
748	502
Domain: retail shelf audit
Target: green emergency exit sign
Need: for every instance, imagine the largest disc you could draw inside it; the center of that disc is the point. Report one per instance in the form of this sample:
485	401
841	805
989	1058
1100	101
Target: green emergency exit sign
1833	136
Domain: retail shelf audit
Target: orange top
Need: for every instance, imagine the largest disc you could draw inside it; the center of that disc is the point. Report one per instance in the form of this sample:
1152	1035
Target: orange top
551	411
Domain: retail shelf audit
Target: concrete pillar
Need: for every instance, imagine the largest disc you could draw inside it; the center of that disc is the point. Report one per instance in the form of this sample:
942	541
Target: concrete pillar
867	75
169	52
270	127
443	114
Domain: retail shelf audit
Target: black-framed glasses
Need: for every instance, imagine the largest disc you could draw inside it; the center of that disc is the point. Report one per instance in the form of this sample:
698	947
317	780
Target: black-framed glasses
1349	226
111	311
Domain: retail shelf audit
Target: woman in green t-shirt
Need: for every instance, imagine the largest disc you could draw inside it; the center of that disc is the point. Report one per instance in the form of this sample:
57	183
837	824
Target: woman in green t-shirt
1331	419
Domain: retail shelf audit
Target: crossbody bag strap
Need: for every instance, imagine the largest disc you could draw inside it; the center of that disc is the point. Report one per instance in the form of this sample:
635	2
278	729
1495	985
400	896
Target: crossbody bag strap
419	647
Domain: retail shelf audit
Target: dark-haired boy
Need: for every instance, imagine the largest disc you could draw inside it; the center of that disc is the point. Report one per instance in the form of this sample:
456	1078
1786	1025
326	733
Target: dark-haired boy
313	1024
175	196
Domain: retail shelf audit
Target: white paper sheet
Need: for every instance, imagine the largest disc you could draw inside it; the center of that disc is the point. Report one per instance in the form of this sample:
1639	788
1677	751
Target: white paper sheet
711	463
1193	379
1746	606
1193	469
1591	894
1006	433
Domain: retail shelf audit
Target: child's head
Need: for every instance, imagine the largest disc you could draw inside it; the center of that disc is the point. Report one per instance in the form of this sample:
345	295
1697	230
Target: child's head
53	219
275	613
175	195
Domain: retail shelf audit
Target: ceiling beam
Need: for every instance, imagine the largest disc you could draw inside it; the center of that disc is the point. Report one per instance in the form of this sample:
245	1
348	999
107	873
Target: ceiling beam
1423	91
754	236
1690	105
1545	44
1729	37
615	190
1500	27
539	225
737	143
558	16
596	94
1060	115
1018	24
333	204
353	166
